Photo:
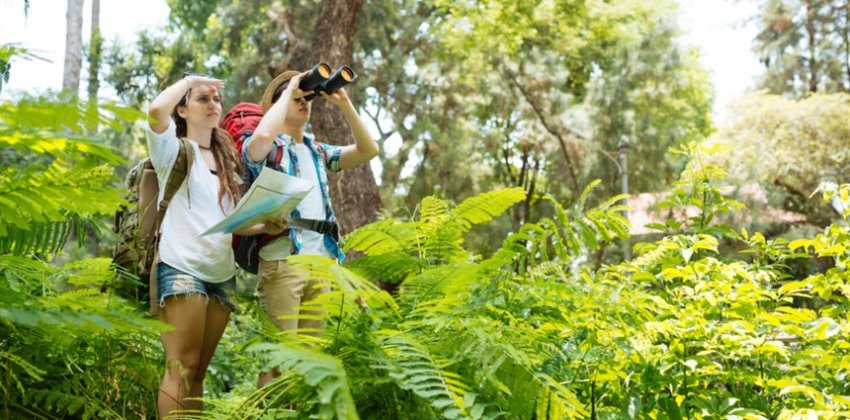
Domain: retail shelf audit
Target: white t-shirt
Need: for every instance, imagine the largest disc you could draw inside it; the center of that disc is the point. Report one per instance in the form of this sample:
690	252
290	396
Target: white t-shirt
311	207
208	258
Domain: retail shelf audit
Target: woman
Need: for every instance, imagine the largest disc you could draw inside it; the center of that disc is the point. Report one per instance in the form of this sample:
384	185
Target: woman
196	273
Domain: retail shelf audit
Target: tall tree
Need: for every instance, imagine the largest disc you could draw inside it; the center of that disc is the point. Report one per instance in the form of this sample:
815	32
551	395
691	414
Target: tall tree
355	193
73	46
805	46
465	97
95	52
660	98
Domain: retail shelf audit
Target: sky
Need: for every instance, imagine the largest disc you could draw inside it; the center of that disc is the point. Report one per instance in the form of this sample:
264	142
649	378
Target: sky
720	29
42	31
723	31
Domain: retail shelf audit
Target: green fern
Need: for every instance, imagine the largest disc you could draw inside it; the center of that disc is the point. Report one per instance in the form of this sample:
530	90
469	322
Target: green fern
391	267
327	394
67	404
60	347
88	272
414	369
42	201
397	249
382	237
53	118
444	243
432	284
55	195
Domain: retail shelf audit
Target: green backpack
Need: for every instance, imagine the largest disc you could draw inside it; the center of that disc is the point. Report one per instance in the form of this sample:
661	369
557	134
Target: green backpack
137	226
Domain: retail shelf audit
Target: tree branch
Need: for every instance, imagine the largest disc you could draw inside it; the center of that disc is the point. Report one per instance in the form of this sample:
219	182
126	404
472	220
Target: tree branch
551	130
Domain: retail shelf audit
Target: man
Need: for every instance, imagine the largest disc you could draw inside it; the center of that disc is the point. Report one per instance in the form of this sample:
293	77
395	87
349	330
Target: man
281	290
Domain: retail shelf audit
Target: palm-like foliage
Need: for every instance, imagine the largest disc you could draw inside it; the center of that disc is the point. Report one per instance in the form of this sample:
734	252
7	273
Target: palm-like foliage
455	341
66	348
680	331
532	332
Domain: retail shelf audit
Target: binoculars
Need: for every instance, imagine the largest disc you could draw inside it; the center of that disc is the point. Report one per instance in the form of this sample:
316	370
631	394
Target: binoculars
320	79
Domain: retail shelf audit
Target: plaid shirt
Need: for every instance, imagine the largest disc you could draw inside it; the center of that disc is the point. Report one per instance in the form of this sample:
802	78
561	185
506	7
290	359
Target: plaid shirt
327	154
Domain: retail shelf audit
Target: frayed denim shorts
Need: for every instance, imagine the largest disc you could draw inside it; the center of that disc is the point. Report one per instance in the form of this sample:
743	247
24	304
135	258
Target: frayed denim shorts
173	282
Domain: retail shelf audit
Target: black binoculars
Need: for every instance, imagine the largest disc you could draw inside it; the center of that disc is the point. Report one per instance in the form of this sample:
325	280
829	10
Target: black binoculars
320	79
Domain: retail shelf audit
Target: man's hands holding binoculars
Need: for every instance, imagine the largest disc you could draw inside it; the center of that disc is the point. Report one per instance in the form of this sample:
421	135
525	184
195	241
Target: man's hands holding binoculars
320	81
338	97
295	86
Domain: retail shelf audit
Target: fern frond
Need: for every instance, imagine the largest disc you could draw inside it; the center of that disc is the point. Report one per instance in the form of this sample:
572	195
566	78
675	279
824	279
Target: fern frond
90	271
26	275
557	402
31	370
328	395
433	212
582	200
444	244
650	255
547	271
518	249
393	267
431	284
346	295
414	369
36	238
59	145
484	207
54	401
340	278
383	237
55	195
52	117
435	237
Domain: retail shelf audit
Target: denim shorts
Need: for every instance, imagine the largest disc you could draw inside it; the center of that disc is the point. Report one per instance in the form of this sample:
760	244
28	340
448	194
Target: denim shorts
173	282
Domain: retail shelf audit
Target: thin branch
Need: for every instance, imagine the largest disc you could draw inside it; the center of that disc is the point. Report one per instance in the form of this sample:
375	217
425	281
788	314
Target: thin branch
550	129
508	167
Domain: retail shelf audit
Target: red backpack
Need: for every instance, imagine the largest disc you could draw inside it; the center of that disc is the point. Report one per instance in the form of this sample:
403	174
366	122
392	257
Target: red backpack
240	122
241	119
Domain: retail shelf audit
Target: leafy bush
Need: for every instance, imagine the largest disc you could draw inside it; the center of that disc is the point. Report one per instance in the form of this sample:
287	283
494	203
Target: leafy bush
535	330
66	348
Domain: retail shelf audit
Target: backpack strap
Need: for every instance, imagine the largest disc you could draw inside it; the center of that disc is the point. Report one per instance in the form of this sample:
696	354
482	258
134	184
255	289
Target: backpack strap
179	173
273	160
275	155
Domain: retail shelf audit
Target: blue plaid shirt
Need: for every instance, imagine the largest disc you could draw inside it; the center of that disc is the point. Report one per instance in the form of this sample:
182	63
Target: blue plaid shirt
325	158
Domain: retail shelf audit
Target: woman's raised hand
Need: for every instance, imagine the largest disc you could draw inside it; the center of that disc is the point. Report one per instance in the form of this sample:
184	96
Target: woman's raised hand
194	81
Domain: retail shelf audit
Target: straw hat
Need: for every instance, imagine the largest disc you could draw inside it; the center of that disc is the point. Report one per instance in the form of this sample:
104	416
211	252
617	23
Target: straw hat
277	81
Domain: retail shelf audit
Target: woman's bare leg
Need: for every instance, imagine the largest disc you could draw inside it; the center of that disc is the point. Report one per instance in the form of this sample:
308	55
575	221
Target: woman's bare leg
216	322
183	346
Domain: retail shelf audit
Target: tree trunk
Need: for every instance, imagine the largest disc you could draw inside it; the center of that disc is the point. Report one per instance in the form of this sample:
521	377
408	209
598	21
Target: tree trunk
354	192
845	40
73	46
95	46
811	32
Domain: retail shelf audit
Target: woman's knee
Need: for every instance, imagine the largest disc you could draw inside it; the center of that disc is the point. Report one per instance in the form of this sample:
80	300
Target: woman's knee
185	367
